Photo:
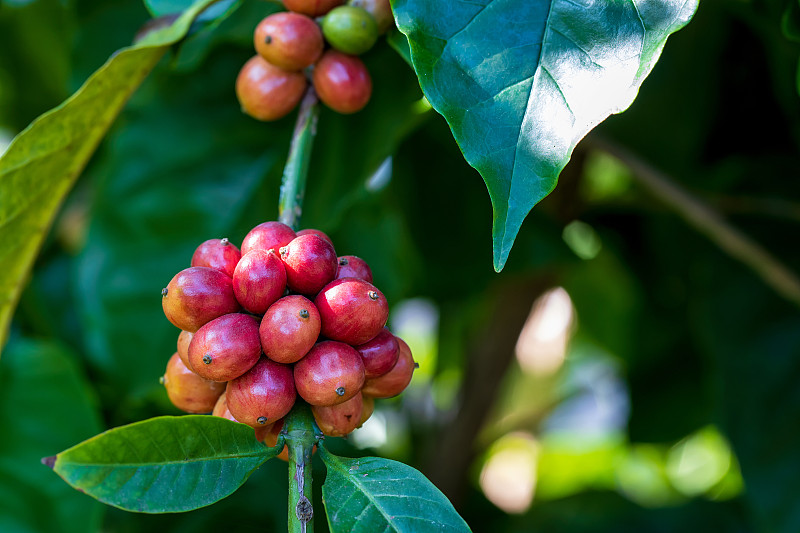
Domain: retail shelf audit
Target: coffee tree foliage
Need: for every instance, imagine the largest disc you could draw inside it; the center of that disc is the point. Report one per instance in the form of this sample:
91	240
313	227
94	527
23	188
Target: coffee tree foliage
671	228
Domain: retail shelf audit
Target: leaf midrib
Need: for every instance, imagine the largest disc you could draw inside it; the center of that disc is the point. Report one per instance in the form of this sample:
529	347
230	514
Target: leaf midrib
67	462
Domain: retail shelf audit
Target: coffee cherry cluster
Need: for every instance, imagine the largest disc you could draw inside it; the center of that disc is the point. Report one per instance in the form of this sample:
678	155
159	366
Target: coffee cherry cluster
283	316
291	46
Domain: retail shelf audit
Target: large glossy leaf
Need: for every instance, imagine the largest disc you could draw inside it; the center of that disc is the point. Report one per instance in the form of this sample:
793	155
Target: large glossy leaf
42	163
374	494
165	464
521	82
45	405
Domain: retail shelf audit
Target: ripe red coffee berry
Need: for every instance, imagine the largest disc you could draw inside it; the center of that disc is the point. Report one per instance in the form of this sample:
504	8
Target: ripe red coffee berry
397	379
379	354
310	263
197	295
289	329
221	410
187	391
367	408
218	254
352	310
312	8
225	348
342	82
291	41
268	236
331	373
271	439
263	394
351	266
341	419
317	232
267	92
259	280
184	338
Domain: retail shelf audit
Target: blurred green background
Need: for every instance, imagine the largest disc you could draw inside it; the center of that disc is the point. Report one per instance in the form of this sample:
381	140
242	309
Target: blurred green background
623	373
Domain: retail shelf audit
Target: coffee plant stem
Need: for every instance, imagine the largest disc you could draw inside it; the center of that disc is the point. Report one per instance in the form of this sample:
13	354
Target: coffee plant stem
293	183
300	438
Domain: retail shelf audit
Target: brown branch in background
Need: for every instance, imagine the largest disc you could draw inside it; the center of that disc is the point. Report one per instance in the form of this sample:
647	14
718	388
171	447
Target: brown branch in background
708	222
487	363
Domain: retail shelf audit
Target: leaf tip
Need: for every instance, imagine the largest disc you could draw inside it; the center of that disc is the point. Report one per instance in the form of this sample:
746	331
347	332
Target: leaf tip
49	462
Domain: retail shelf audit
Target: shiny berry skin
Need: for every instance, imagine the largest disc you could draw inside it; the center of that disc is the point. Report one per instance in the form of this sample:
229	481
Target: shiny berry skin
184	338
268	236
267	92
317	232
396	380
310	263
379	354
197	295
352	310
351	266
263	394
312	8
259	280
226	347
291	41
341	419
187	391
218	254
221	410
350	29
331	373
342	82
381	11
289	329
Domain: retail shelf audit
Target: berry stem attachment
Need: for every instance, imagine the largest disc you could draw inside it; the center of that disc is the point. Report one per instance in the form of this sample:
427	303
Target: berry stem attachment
300	438
293	183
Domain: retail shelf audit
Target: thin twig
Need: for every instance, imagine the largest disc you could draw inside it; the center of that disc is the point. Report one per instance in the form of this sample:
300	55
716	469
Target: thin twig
708	222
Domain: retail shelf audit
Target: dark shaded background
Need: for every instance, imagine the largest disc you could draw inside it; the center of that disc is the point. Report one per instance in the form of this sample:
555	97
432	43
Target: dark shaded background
677	406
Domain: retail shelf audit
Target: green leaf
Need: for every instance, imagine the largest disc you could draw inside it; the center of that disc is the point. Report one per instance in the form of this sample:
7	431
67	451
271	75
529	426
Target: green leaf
41	164
166	464
399	42
222	8
374	494
46	404
521	82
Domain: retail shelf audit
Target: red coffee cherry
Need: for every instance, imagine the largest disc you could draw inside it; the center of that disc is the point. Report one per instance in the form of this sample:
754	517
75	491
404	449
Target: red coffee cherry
312	8
187	391
218	254
315	232
267	92
310	263
331	373
289	329
380	354
221	410
259	280
351	266
290	41
268	236
197	295
380	10
184	338
263	394
226	347
397	379
271	439
342	82
368	407
341	419
352	310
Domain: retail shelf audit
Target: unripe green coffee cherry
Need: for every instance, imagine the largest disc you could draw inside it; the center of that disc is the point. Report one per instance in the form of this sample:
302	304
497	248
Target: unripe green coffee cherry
350	29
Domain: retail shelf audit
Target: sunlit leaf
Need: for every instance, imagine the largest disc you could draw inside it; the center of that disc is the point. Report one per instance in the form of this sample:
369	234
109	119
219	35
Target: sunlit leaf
521	82
166	464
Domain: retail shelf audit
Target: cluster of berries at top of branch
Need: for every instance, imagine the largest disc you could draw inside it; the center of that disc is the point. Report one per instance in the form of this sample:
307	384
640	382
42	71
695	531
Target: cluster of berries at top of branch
291	48
282	316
